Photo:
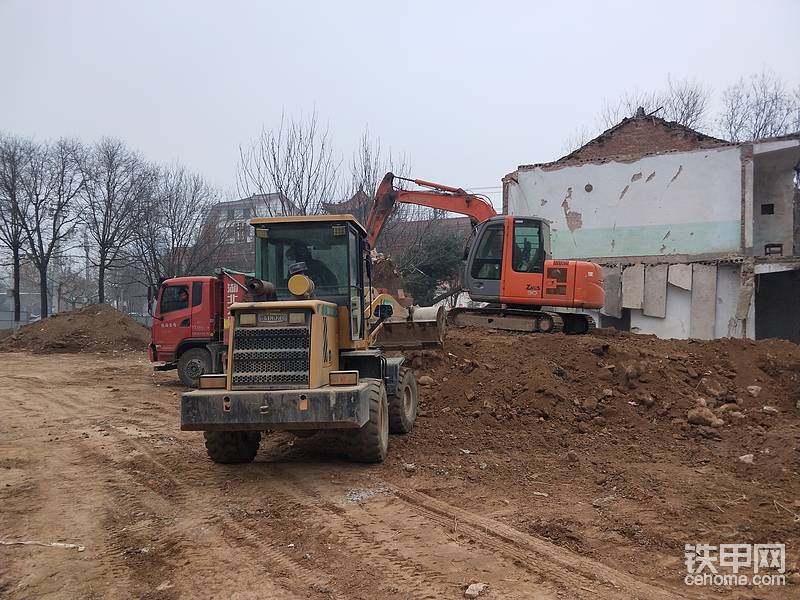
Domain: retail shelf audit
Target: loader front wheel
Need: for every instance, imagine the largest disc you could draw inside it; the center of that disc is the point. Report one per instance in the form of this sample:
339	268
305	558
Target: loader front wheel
403	403
232	447
370	444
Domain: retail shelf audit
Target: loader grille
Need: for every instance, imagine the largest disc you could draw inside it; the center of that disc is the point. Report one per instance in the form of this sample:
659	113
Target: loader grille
271	357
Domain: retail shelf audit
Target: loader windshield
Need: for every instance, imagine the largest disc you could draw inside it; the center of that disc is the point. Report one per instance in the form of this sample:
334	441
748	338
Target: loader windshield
322	247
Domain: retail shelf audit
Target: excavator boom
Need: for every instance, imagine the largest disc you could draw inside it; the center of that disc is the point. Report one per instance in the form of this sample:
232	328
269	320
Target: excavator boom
441	197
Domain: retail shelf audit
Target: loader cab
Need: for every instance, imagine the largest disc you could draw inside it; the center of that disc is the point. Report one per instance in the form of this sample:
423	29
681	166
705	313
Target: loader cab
333	250
500	248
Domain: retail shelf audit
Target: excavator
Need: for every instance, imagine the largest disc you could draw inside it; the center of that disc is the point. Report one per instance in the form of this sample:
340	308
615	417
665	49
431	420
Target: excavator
507	263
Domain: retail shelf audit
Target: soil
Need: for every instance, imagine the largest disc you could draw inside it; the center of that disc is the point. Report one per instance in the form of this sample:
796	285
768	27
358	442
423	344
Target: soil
94	328
548	467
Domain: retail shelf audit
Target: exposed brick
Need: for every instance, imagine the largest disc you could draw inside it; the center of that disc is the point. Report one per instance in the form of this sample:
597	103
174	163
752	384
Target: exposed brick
637	136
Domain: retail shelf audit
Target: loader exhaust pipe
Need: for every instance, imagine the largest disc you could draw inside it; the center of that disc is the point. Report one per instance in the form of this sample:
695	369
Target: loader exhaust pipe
259	290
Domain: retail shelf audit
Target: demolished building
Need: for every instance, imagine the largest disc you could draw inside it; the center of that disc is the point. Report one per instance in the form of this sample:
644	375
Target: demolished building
698	237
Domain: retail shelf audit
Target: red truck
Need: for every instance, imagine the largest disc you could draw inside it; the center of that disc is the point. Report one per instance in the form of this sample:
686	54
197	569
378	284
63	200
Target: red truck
190	323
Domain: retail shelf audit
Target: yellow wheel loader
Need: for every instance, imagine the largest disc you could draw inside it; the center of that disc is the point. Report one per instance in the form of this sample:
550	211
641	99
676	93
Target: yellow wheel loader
306	347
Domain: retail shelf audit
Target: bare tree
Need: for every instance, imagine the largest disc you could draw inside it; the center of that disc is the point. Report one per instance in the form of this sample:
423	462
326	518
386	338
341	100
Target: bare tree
758	107
13	156
116	180
580	136
612	112
683	101
796	102
295	162
51	182
409	225
175	233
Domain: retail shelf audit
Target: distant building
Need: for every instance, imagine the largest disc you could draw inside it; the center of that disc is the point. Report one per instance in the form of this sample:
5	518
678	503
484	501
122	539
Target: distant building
358	205
232	218
698	237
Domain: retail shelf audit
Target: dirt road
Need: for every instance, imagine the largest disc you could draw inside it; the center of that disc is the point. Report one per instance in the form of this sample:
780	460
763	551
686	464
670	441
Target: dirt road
95	458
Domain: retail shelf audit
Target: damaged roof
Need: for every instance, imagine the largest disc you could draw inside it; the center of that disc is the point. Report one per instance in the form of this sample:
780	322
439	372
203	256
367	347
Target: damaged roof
637	136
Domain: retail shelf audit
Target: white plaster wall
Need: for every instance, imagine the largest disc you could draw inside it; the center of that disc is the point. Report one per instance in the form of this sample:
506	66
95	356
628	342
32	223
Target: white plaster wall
679	302
675	324
675	203
728	285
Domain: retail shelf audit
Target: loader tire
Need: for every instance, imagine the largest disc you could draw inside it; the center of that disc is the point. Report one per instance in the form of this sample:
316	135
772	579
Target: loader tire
403	403
371	443
232	447
192	364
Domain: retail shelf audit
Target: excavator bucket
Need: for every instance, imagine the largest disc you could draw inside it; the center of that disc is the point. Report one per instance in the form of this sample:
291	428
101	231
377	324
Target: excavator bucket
423	327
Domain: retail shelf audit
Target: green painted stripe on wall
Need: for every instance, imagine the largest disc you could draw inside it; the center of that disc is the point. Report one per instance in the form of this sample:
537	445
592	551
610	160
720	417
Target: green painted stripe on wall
649	240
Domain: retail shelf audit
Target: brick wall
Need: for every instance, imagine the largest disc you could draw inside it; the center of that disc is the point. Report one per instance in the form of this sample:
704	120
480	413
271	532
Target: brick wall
638	136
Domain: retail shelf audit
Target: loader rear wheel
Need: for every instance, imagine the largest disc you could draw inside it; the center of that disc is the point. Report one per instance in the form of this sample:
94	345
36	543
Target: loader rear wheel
232	447
192	364
403	403
371	443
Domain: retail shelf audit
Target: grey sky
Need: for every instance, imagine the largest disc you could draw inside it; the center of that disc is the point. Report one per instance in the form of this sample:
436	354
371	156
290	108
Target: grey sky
468	90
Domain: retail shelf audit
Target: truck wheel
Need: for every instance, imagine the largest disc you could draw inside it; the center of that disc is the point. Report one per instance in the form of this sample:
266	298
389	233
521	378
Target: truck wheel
403	403
230	447
193	363
371	442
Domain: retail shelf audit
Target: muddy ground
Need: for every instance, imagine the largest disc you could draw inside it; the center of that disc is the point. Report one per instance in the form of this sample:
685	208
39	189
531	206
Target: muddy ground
561	468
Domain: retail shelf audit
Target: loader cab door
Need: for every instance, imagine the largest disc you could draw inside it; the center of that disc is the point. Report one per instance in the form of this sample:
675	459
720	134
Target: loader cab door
483	267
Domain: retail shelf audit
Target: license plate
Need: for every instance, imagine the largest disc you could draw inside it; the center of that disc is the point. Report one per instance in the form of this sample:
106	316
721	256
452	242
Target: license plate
273	317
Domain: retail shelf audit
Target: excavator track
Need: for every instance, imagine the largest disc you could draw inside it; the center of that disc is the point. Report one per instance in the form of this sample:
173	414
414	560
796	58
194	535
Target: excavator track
515	319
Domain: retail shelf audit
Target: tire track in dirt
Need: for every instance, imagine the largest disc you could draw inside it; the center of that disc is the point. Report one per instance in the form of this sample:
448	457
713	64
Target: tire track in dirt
180	497
381	524
361	537
572	569
539	558
411	576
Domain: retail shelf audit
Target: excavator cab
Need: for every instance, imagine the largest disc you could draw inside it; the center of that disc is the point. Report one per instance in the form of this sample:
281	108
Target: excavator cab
502	249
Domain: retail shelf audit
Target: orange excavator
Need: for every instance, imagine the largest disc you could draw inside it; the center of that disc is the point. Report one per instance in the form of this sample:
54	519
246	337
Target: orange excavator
507	263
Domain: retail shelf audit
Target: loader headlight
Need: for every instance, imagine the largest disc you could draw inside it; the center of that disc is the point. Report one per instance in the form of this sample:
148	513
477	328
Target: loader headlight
297	318
343	378
213	382
248	319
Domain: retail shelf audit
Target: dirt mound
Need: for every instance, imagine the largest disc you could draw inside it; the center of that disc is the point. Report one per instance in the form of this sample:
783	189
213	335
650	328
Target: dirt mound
623	426
95	328
596	377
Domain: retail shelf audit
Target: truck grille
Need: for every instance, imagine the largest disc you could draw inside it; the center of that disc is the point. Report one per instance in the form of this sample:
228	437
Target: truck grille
268	357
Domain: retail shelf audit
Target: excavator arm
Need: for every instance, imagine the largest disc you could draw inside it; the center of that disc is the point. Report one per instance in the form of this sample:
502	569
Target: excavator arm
440	197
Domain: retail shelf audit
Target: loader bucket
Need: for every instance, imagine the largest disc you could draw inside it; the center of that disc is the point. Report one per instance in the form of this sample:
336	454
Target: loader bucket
423	328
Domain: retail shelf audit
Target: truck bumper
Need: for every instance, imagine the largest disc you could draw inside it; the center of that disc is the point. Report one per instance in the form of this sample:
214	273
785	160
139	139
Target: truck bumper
328	407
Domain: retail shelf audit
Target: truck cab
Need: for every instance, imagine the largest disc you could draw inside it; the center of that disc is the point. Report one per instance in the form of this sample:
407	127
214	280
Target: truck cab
189	327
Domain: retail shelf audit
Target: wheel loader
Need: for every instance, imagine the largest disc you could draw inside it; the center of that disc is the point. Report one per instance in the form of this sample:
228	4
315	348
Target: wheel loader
307	346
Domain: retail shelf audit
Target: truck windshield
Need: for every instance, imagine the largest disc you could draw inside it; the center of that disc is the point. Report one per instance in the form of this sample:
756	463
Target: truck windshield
322	248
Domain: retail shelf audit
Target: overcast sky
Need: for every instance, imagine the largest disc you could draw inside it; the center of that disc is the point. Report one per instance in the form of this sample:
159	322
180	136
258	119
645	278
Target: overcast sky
469	90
